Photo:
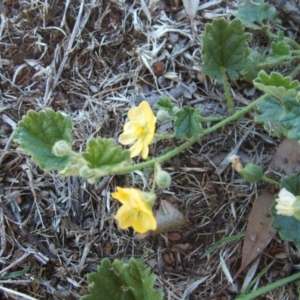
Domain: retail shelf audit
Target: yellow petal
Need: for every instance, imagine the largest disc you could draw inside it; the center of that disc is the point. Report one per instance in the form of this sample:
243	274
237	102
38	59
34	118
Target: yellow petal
144	222
122	195
145	151
126	138
125	217
136	148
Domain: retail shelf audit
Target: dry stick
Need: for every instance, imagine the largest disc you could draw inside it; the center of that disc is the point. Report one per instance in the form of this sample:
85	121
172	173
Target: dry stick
30	237
16	262
16	293
79	25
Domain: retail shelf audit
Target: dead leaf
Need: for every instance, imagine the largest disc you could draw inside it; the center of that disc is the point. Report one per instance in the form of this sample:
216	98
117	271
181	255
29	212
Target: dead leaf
191	7
287	158
174	236
168	218
259	230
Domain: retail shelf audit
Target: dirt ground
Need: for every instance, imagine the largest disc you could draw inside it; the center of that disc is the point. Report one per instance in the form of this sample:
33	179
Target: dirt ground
94	60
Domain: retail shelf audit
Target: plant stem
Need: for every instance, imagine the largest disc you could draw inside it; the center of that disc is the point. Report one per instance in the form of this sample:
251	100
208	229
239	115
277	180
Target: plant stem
276	38
230	104
269	180
163	136
269	287
295	72
211	119
237	115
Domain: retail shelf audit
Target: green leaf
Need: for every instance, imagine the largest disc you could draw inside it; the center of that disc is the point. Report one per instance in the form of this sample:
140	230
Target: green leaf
103	157
255	13
280	48
167	109
251	70
102	152
291	118
269	112
37	133
224	49
139	279
187	123
15	274
288	226
122	280
276	85
106	284
164	103
280	118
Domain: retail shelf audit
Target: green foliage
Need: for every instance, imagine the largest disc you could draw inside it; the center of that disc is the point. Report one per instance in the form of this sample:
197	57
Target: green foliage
15	274
167	109
37	133
164	103
276	85
102	157
187	123
269	113
122	280
101	153
280	48
282	118
288	226
251	70
225	49
255	13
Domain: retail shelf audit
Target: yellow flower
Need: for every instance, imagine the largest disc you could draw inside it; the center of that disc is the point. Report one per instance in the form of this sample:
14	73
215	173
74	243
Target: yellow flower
140	129
135	211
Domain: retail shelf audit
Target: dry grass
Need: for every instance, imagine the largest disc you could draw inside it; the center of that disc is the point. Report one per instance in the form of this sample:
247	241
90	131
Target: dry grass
93	60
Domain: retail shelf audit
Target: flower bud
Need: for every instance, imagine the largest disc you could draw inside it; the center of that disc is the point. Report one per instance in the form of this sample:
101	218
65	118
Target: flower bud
163	115
149	198
175	109
162	178
252	173
61	149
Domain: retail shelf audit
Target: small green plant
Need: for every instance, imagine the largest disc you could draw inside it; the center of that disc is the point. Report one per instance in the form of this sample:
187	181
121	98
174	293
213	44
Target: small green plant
46	137
128	280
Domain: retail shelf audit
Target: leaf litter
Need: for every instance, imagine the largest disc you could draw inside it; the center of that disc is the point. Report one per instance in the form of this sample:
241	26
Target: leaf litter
92	60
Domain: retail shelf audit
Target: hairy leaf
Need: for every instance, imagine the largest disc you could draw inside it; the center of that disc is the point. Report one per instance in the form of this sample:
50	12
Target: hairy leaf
276	85
225	49
255	13
280	48
164	103
187	123
37	133
269	112
288	226
280	118
291	118
103	157
251	70
122	280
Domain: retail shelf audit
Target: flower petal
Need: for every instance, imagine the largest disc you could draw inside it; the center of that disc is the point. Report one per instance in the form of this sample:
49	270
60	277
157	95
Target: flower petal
145	151
144	222
125	217
122	195
286	196
136	148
